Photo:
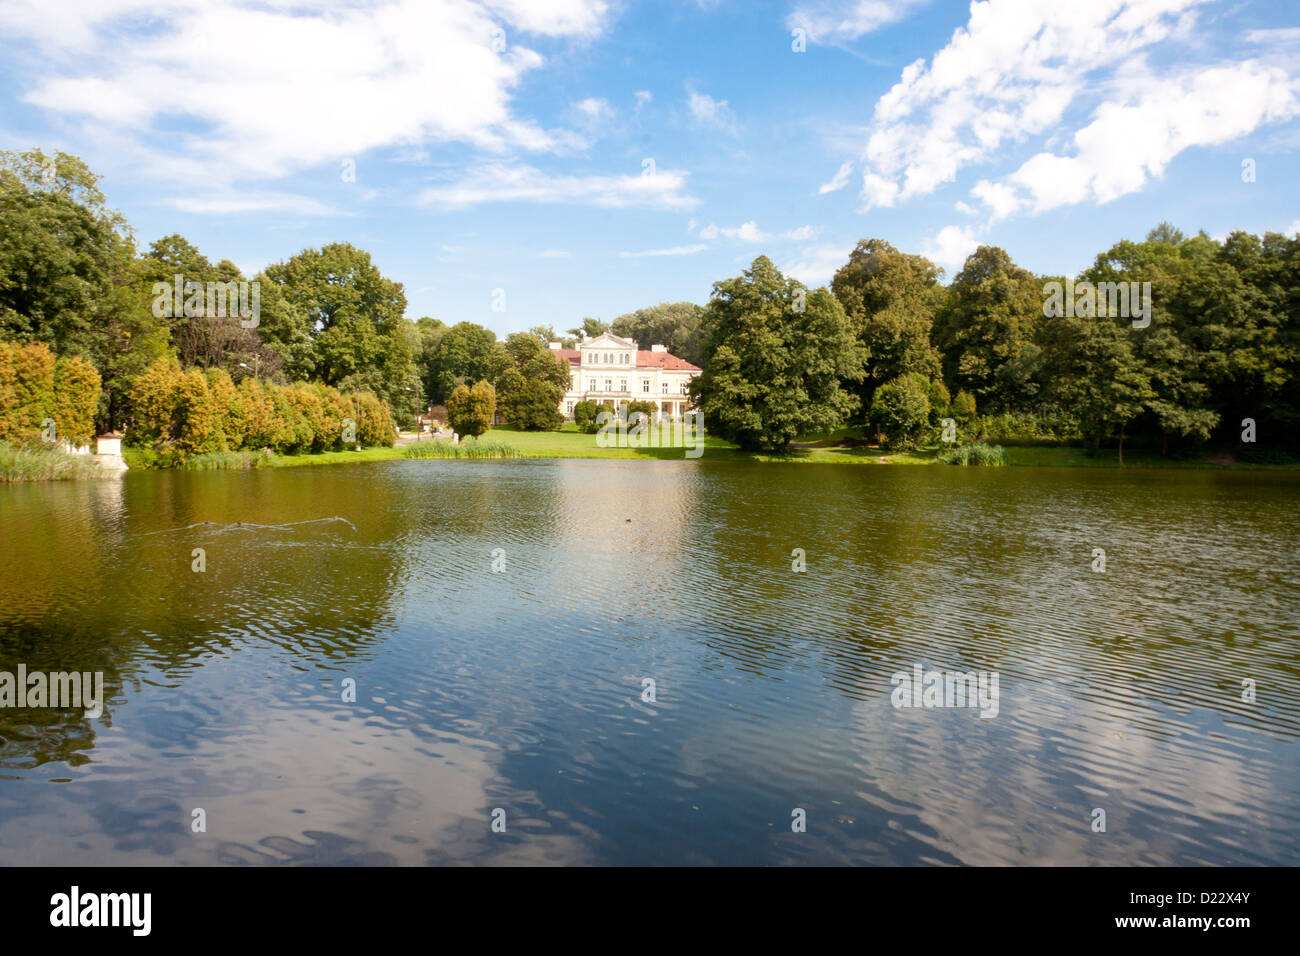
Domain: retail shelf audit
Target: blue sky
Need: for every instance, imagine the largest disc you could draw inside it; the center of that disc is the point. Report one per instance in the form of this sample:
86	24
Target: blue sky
590	157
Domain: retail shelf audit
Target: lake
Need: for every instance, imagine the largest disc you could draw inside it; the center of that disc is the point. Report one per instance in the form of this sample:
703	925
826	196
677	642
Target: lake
500	623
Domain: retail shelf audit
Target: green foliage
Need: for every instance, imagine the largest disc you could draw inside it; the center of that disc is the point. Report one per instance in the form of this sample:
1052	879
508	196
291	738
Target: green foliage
675	325
182	414
529	392
35	386
466	353
963	406
974	454
901	409
470	411
985	330
890	299
776	356
585	412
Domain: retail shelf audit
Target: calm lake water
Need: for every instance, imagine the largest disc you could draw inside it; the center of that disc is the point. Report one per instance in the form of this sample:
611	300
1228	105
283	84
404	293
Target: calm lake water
522	689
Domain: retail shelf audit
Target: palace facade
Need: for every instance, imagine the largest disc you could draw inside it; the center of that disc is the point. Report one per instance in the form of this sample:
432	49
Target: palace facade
608	368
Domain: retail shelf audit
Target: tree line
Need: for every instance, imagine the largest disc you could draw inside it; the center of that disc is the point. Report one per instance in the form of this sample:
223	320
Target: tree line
888	346
1211	356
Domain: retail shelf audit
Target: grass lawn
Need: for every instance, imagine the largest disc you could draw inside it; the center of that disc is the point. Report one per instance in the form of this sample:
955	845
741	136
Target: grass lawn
568	442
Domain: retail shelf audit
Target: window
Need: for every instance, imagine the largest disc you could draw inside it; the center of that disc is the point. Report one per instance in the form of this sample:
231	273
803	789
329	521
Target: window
664	387
645	384
609	358
591	384
626	356
686	387
622	385
609	385
568	407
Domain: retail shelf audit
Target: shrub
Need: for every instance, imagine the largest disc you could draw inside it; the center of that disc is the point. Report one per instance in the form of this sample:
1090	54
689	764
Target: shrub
963	406
901	408
585	412
470	410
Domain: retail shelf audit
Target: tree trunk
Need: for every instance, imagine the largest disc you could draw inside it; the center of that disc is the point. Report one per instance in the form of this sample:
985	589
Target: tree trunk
1164	444
1121	445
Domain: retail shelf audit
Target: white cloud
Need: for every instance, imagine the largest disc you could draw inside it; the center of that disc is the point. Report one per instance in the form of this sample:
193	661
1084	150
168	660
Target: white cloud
593	109
497	182
276	86
830	21
673	251
951	246
554	254
1000	198
1011	72
749	232
707	111
241	202
642	98
818	264
839	180
553	17
1155	120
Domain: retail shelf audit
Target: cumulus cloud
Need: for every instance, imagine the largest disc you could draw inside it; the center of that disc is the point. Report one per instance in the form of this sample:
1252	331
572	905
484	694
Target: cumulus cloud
269	87
951	246
1010	73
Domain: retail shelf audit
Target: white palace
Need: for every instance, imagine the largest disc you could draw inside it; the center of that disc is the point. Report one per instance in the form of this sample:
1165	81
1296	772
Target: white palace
612	369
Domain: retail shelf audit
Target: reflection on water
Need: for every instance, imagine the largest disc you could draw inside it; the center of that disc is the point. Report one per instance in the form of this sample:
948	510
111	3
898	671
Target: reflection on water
522	689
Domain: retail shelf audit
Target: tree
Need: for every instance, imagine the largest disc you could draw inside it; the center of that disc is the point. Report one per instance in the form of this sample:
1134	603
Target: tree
901	408
672	324
984	328
353	314
530	391
1097	374
890	299
773	369
470	411
590	328
466	353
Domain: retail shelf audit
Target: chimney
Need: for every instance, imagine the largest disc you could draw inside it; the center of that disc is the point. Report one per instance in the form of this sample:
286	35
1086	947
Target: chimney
556	346
658	348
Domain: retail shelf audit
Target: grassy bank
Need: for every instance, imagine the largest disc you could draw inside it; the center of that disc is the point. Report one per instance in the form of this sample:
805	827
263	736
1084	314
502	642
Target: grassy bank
30	462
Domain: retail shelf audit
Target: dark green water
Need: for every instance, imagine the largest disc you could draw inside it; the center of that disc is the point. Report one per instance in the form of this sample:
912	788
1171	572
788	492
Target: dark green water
522	690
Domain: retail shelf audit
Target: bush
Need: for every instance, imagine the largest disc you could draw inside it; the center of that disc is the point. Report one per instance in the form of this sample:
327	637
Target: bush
1024	428
585	412
901	408
470	410
34	386
975	454
963	406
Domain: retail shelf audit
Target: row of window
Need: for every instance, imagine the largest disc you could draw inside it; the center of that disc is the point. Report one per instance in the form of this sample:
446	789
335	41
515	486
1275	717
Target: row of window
594	385
592	358
568	407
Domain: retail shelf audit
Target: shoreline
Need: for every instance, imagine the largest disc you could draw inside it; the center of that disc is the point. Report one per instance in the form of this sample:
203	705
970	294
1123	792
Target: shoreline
579	446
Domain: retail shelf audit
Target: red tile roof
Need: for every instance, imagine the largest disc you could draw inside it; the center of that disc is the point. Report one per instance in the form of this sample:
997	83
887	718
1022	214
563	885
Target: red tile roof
644	359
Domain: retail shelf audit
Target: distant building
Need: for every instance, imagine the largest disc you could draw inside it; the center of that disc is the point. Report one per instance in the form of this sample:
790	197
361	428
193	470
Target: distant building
612	369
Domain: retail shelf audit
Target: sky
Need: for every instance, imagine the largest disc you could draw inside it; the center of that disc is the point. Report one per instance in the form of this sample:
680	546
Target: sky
531	162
